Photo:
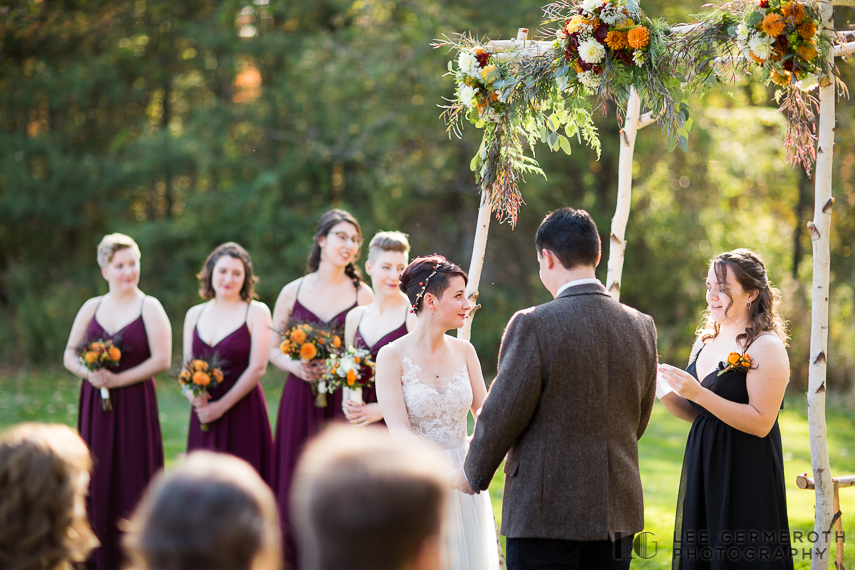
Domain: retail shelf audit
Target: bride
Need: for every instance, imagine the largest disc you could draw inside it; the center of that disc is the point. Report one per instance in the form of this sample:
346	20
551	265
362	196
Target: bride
426	383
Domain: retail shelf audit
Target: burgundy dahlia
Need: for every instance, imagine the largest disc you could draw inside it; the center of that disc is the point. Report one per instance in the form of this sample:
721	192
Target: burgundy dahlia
573	41
482	58
601	32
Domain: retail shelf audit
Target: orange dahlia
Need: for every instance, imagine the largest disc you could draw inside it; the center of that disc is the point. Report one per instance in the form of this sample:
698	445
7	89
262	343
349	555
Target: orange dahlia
90	357
807	30
114	353
298	336
200	365
807	52
773	25
638	38
616	40
779	79
201	378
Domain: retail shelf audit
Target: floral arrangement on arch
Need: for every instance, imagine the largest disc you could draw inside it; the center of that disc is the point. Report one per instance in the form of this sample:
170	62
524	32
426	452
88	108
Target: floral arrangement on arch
609	47
785	40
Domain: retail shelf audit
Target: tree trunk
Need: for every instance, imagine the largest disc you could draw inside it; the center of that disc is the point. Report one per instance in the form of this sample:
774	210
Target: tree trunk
820	229
617	244
479	250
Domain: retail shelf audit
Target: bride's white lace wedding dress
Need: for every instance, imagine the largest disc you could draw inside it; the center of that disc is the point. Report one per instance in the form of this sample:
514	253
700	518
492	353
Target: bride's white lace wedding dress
438	414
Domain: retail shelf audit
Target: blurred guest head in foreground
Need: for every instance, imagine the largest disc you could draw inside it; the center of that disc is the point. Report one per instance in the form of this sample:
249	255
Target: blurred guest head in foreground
211	512
44	477
362	500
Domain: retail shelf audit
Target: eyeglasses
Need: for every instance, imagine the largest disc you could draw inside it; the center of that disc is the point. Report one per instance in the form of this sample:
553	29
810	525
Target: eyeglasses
342	238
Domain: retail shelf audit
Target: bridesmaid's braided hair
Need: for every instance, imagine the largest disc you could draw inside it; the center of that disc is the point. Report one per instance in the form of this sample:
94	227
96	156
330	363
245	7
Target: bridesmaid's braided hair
325	224
764	313
428	274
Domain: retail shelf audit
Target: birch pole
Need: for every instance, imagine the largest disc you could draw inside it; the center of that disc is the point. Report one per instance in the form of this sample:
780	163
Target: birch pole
820	228
479	247
617	243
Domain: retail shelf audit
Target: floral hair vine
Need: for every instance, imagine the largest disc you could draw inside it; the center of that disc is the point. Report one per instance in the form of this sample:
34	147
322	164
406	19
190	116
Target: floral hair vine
423	285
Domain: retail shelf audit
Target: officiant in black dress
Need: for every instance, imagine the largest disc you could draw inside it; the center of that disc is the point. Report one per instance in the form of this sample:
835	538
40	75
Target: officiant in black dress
732	507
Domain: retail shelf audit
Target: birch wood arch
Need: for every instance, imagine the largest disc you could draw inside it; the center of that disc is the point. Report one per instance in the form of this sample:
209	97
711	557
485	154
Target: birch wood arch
831	44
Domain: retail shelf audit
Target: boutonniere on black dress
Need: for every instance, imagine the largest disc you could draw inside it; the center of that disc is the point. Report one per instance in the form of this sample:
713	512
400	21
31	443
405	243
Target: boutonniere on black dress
735	361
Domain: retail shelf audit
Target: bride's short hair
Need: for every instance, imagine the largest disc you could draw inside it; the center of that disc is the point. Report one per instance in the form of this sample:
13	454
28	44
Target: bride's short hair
428	274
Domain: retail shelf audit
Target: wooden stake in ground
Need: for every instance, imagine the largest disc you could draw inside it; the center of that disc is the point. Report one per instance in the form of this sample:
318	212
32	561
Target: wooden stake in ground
820	229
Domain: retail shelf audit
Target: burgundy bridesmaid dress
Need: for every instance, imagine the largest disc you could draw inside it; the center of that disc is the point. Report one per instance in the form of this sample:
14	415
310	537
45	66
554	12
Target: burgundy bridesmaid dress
369	395
298	421
244	430
126	445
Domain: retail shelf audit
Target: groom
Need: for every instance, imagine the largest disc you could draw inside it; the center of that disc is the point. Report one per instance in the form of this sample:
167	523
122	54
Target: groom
573	395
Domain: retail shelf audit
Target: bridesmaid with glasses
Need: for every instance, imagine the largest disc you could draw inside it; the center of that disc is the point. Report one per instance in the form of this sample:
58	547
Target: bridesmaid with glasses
387	319
124	437
234	329
332	287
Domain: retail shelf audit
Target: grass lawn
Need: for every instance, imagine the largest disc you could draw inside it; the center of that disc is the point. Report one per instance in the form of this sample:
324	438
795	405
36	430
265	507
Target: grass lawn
51	396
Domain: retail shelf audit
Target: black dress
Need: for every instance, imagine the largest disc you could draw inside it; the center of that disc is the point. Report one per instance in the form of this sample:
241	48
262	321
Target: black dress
732	505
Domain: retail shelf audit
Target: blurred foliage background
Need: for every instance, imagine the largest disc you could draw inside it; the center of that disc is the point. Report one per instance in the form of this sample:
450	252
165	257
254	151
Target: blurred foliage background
187	124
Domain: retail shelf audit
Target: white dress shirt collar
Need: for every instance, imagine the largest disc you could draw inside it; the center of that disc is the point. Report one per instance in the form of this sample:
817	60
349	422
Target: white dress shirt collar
574	283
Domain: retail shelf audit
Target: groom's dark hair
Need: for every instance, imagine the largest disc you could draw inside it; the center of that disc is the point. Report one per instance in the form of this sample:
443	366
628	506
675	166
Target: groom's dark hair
362	500
571	235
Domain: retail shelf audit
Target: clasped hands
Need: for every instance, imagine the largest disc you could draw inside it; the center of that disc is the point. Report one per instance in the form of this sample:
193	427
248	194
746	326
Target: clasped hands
206	410
103	379
459	482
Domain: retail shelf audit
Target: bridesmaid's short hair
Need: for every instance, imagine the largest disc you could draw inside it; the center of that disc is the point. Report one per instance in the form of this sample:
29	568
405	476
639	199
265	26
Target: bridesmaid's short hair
112	243
211	512
571	235
388	241
44	479
363	500
206	276
416	280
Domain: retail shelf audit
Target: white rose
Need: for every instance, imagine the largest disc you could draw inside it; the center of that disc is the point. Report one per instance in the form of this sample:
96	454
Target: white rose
591	51
467	94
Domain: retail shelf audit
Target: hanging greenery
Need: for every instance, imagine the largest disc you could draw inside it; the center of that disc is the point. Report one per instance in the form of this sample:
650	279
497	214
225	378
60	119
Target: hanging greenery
782	38
548	91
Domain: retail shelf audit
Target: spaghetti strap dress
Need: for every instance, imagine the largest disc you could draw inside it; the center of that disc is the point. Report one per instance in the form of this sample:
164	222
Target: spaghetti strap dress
369	395
732	504
244	430
126	443
297	422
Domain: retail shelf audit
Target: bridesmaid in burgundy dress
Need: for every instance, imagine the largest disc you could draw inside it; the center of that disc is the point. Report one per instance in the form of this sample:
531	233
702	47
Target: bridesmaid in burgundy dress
126	445
386	319
331	288
237	330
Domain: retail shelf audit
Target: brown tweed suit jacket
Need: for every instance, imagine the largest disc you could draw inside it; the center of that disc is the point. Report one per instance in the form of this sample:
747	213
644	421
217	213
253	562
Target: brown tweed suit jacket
574	393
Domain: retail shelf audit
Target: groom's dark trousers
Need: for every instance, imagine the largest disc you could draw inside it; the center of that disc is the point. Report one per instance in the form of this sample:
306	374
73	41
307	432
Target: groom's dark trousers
553	554
574	393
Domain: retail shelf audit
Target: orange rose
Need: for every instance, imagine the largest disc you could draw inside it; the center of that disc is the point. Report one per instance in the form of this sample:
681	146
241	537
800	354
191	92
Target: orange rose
90	357
336	342
308	351
217	374
638	38
733	358
298	336
201	378
114	353
351	377
746	360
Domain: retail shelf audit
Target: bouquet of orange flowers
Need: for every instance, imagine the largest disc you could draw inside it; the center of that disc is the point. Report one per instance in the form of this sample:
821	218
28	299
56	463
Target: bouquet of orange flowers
737	362
352	370
198	375
98	355
307	342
